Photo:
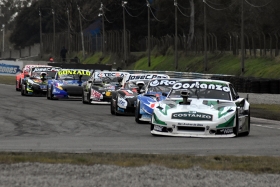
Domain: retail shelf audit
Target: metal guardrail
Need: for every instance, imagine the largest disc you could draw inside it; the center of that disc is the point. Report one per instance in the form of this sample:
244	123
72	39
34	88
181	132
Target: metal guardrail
174	74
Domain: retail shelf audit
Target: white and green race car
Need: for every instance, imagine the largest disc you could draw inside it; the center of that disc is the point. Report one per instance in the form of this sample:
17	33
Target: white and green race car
202	108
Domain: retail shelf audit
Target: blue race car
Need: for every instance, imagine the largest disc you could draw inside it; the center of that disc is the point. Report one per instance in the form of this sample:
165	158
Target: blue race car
156	90
67	84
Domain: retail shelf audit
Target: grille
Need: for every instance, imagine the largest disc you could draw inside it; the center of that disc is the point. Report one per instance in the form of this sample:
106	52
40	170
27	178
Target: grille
200	129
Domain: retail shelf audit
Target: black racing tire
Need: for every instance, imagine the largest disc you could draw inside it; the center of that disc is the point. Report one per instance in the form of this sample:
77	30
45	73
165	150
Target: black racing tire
113	112
115	109
137	114
51	95
83	98
236	128
22	91
17	89
48	97
249	125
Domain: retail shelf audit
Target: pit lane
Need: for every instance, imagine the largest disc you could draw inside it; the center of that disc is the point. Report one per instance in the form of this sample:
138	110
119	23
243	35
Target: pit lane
40	125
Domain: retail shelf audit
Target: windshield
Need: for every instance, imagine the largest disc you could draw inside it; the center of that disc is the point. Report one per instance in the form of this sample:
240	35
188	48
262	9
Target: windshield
157	89
209	90
49	74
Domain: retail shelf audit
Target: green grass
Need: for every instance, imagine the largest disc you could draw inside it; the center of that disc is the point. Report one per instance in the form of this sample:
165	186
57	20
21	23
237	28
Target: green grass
8	80
218	63
251	164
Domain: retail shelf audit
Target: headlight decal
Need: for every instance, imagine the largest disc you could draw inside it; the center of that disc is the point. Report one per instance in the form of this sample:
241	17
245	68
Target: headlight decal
223	111
228	123
158	121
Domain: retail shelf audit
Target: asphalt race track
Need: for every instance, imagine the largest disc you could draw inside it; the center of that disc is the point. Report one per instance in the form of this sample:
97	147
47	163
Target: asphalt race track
39	125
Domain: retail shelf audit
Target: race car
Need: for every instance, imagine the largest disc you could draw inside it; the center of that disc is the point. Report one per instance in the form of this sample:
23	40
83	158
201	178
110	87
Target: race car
35	82
202	108
67	84
24	72
124	100
155	91
97	90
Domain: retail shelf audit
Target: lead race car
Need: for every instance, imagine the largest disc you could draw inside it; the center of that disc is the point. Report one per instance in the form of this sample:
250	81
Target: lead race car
202	108
67	84
97	90
35	82
124	100
155	91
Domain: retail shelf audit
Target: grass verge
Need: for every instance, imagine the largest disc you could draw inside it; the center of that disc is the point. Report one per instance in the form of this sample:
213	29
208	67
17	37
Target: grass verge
250	164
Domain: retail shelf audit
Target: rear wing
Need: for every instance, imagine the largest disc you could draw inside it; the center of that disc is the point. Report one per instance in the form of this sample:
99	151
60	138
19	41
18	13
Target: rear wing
101	74
145	76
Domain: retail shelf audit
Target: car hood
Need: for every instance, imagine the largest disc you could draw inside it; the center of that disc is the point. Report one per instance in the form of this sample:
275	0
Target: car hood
197	110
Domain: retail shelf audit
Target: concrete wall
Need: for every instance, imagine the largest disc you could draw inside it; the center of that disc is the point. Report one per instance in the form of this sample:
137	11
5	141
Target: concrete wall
30	51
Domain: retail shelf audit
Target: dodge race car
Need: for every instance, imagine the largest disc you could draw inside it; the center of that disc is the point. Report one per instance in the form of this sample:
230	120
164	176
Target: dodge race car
67	84
155	91
97	90
35	82
124	100
202	108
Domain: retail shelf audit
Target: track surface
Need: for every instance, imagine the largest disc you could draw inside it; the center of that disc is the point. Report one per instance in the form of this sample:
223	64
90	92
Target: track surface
40	125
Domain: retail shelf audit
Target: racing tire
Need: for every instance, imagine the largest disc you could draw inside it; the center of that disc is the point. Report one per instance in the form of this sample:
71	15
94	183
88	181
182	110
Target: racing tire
48	97
17	89
22	91
113	112
137	114
51	95
83	98
236	128
115	109
249	125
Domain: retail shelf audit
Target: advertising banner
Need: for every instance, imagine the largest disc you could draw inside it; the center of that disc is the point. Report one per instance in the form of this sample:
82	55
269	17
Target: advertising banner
10	67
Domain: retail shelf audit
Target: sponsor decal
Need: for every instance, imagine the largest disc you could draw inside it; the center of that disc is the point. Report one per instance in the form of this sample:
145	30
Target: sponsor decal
225	131
145	76
96	95
191	115
158	128
9	69
110	74
74	72
122	103
191	124
40	69
190	85
108	93
129	96
162	82
146	116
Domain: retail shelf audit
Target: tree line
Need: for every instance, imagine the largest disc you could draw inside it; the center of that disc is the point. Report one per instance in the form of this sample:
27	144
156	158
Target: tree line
223	18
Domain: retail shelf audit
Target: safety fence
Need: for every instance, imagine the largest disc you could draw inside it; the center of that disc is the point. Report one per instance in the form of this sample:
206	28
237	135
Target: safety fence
241	84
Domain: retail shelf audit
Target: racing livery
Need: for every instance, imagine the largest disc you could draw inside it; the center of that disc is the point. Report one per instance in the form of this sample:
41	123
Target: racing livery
97	90
35	82
24	72
202	108
67	84
124	100
155	91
